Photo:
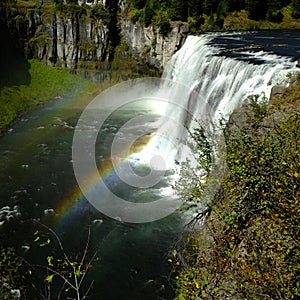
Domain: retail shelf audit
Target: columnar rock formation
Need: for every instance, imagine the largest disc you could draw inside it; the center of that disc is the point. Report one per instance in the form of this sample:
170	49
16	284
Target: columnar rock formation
75	38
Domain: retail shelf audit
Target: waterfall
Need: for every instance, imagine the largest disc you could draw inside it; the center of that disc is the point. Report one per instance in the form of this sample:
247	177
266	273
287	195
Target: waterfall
222	82
209	83
198	84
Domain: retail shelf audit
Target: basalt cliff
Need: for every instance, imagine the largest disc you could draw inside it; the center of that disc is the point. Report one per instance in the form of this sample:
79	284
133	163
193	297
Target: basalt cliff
86	35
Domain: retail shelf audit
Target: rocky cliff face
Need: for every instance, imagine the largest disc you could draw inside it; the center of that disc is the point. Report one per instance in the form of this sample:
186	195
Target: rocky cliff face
72	37
149	44
61	40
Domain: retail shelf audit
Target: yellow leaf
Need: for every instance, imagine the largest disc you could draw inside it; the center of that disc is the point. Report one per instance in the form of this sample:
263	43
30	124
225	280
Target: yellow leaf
49	278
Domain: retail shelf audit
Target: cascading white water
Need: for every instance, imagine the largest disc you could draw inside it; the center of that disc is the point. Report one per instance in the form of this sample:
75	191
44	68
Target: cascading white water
219	85
222	82
198	83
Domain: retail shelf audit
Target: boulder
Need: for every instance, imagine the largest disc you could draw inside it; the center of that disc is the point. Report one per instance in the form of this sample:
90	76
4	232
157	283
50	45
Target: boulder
298	62
277	90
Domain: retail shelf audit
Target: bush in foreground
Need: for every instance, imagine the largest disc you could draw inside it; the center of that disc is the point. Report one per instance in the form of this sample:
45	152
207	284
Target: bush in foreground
249	245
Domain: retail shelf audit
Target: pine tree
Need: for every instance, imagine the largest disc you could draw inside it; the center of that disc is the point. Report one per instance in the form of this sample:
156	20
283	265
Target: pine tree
148	12
273	13
234	5
210	6
296	9
257	9
180	8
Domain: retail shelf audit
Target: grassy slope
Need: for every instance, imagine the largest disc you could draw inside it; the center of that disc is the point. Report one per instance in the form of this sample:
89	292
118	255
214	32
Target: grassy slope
249	246
45	83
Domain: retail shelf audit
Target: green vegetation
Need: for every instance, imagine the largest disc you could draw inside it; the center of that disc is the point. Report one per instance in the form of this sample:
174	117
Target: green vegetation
65	270
13	274
46	83
53	83
70	9
217	15
60	275
249	246
123	67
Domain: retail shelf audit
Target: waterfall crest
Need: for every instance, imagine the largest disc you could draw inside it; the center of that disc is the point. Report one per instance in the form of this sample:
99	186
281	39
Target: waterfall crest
198	85
223	82
209	85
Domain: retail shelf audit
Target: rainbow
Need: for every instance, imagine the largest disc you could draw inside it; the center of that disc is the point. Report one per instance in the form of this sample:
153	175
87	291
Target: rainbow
65	205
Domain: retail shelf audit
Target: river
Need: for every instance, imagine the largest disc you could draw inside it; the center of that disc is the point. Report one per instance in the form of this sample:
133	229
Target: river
37	181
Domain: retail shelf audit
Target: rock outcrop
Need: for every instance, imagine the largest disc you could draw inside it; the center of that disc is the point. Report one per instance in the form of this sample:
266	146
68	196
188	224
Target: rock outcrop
149	44
298	62
75	36
64	41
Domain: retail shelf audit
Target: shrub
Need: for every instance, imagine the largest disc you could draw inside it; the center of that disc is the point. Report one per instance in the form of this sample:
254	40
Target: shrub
249	246
163	22
136	14
275	16
98	11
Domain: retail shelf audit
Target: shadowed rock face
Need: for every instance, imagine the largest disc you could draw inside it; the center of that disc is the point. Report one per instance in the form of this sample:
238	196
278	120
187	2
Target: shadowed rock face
14	67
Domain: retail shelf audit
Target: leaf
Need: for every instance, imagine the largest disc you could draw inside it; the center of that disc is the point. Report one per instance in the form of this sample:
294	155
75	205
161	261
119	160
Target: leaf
174	253
45	243
78	273
49	260
49	278
180	297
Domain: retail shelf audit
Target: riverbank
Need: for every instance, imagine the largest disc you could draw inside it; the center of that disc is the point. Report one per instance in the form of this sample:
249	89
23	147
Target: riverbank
248	246
44	83
239	21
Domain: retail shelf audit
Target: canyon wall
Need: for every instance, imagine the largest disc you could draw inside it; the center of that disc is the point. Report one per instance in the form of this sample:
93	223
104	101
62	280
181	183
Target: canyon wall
87	34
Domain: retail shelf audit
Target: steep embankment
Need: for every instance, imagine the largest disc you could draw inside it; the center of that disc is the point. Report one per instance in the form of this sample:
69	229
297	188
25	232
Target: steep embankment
84	37
249	247
98	42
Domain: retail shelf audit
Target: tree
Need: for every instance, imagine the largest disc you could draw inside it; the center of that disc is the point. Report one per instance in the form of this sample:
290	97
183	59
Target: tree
273	13
210	6
246	244
62	275
163	22
296	9
69	271
257	9
139	4
221	14
148	12
234	5
179	9
98	11
195	8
